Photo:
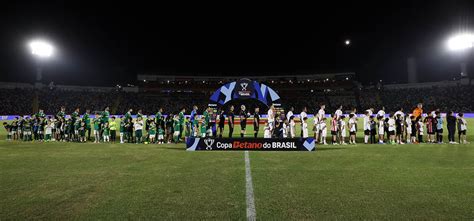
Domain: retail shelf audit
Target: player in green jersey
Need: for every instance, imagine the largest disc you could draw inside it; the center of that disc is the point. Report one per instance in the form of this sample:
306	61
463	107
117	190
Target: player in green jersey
97	132
158	116
181	123
203	128
152	132
87	121
161	134
122	129
176	127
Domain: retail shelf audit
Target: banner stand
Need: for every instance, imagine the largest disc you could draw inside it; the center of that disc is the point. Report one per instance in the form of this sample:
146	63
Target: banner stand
252	144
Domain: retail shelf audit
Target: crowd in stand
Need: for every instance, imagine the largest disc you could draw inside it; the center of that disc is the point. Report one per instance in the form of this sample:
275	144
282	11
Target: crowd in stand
444	98
22	101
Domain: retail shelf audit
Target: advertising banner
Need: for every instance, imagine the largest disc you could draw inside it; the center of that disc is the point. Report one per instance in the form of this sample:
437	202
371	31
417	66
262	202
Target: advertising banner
253	144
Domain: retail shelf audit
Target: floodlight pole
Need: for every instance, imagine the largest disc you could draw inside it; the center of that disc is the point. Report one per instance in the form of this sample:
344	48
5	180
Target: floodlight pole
39	73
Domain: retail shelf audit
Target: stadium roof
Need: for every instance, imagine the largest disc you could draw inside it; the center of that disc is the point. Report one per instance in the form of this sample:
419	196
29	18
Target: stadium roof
299	76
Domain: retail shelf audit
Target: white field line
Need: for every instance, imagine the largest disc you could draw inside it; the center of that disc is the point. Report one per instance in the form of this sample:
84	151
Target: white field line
251	213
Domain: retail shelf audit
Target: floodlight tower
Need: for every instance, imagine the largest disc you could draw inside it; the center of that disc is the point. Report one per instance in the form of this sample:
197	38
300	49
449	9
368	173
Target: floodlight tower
460	43
41	50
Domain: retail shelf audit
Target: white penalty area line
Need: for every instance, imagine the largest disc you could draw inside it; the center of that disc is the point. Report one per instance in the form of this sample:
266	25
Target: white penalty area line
250	201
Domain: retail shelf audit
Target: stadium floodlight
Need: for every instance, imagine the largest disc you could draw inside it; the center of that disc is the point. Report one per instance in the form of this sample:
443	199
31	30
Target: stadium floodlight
41	48
347	42
461	42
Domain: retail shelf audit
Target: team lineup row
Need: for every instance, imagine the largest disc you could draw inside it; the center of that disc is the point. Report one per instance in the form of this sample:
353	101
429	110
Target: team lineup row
399	128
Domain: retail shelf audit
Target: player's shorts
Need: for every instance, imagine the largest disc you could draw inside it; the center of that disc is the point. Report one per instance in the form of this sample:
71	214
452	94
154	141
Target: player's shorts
243	125
440	131
152	136
333	132
391	133
373	132
366	132
203	134
381	131
462	132
121	134
408	130
76	132
40	132
96	132
176	133
160	137
352	133
399	132
431	132
323	133
27	133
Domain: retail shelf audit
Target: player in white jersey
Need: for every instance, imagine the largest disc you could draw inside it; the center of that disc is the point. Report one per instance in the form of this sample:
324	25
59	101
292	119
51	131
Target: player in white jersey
303	115
391	129
338	113
370	111
343	128
285	128
381	128
408	125
289	114
367	126
352	128
266	131
271	117
381	113
401	116
292	127
317	121
304	128
433	113
324	131
400	113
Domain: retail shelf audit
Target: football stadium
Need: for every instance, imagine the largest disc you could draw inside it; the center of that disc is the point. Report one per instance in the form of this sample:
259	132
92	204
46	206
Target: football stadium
230	133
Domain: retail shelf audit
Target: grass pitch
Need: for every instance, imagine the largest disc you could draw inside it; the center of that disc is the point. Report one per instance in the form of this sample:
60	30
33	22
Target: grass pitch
128	181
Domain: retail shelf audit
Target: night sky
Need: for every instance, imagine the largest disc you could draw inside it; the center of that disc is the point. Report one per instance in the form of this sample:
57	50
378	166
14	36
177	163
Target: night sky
112	43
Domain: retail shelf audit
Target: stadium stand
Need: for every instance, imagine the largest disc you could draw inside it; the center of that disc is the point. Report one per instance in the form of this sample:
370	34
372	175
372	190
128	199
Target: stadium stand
174	94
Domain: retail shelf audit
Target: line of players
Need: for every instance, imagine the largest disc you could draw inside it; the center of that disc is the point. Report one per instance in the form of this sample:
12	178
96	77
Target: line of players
156	128
398	127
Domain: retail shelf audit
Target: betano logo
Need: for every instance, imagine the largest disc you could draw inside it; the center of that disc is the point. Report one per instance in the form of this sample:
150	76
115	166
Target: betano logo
247	145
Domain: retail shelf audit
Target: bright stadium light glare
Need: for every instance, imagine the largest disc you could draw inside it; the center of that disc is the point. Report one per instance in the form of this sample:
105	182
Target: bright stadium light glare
41	49
347	42
461	42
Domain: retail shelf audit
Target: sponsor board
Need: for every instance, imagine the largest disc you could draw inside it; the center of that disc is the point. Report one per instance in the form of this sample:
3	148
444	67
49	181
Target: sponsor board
257	144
